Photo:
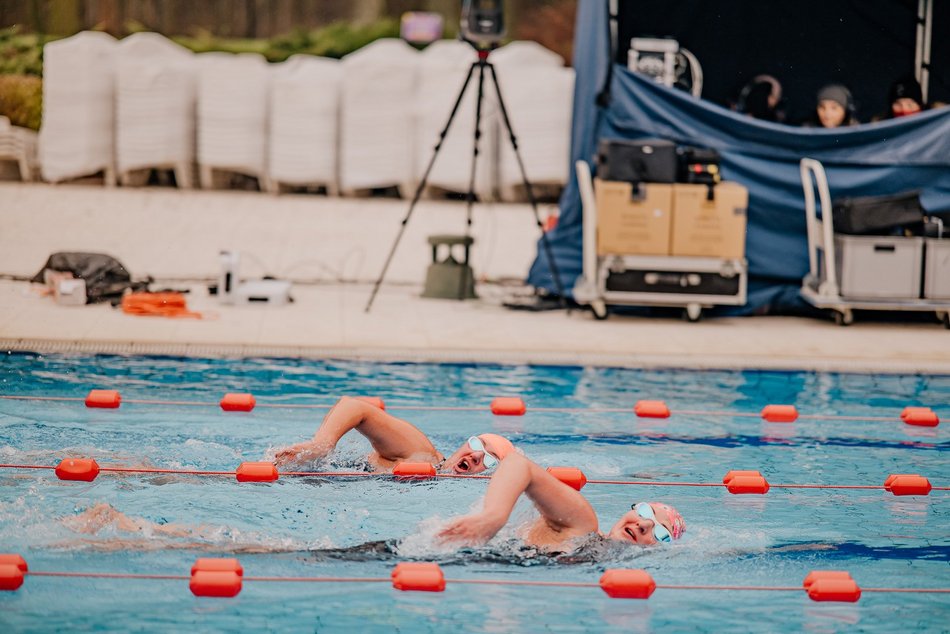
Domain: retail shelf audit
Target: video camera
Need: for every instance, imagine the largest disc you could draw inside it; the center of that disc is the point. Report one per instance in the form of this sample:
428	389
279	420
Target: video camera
482	23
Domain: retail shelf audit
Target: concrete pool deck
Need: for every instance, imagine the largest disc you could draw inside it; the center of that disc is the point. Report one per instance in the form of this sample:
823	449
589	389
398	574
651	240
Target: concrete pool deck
334	248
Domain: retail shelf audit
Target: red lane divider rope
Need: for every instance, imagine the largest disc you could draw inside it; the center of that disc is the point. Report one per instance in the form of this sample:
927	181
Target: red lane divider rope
486	582
502	406
737	482
224	578
797	588
103	575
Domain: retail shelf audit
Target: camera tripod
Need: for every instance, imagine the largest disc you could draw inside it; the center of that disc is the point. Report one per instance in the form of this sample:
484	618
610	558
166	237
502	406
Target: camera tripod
481	64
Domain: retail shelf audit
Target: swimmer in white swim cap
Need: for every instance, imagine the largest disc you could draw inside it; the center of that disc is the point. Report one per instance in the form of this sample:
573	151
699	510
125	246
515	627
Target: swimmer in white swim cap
394	440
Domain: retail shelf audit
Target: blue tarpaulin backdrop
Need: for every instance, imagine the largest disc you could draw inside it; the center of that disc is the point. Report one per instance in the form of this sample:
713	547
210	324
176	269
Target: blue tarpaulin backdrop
878	158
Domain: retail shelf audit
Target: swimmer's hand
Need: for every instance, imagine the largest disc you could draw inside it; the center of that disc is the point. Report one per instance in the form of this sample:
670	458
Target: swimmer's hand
471	529
298	454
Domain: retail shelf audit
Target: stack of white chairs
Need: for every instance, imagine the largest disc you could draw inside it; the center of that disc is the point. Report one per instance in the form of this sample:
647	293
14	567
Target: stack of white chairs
232	116
369	121
538	91
76	138
443	67
18	145
304	120
155	107
376	117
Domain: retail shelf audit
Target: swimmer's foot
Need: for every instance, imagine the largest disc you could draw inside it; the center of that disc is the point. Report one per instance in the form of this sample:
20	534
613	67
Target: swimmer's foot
97	517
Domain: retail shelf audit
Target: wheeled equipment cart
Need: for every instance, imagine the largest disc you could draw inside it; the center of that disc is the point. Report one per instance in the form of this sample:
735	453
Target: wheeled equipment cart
693	283
848	273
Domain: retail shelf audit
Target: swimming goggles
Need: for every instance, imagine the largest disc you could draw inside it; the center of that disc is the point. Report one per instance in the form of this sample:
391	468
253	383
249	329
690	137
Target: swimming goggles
475	444
660	532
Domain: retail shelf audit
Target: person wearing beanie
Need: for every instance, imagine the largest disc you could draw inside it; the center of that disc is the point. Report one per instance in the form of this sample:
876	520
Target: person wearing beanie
394	440
904	98
567	520
834	108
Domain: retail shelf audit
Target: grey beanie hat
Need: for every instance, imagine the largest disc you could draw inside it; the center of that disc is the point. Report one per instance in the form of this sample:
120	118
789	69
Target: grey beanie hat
836	93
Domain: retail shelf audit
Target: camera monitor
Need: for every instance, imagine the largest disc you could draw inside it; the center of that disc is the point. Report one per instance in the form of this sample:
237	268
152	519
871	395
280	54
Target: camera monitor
482	22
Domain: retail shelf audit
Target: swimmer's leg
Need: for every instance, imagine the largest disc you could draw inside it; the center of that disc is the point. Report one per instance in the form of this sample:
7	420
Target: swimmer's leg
103	515
97	517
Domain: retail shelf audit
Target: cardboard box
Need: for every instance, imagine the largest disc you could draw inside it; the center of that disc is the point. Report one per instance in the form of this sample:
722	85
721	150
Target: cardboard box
631	223
709	228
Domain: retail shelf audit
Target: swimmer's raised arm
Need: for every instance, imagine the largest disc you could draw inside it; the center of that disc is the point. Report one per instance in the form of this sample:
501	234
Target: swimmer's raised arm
393	439
564	512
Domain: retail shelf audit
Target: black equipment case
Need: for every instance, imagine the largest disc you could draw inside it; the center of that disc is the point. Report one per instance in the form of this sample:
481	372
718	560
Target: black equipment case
644	161
878	215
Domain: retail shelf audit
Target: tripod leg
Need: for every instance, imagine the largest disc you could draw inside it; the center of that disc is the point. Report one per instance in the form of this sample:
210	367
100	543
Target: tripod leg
470	197
545	243
422	183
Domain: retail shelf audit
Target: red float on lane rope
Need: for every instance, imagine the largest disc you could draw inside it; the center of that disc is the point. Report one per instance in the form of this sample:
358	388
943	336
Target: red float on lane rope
82	469
105	399
651	409
622	583
234	402
418	576
920	416
218	564
726	479
12	569
832	589
215	583
257	472
815	575
907	484
13	559
742	484
571	476
508	406
11	577
780	413
413	470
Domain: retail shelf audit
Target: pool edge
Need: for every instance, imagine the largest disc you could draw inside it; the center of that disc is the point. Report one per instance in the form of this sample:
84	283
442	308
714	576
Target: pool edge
502	357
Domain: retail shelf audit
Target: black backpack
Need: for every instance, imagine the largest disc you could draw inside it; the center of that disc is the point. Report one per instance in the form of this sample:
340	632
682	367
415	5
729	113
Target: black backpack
106	278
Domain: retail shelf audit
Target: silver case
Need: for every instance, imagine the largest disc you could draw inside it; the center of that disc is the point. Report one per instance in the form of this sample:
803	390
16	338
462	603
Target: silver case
879	267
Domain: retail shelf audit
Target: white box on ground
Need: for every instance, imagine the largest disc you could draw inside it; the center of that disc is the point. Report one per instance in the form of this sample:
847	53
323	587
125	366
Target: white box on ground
231	290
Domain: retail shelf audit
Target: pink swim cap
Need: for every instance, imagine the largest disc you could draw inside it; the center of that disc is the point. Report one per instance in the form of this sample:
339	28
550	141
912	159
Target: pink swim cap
496	445
677	521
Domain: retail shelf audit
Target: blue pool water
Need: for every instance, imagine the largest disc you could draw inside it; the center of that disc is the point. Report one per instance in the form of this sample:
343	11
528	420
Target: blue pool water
285	528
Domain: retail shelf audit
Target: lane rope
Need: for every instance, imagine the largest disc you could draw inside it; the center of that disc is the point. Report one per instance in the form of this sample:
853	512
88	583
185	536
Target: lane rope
490	582
462	408
275	474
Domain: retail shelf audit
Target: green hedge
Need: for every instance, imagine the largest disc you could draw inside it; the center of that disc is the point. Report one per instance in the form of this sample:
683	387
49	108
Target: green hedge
21	54
335	40
21	100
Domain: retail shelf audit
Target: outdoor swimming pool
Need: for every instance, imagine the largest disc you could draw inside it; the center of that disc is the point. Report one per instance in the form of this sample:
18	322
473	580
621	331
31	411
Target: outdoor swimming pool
746	540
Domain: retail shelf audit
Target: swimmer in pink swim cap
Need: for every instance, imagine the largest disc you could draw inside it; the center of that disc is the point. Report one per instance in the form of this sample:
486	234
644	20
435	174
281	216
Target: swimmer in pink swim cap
565	514
394	440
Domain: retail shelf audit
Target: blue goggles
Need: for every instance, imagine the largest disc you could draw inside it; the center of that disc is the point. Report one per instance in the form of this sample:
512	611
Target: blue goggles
660	532
475	444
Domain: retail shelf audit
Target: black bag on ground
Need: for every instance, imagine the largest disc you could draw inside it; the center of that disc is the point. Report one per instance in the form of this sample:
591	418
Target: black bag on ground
878	215
106	278
643	161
